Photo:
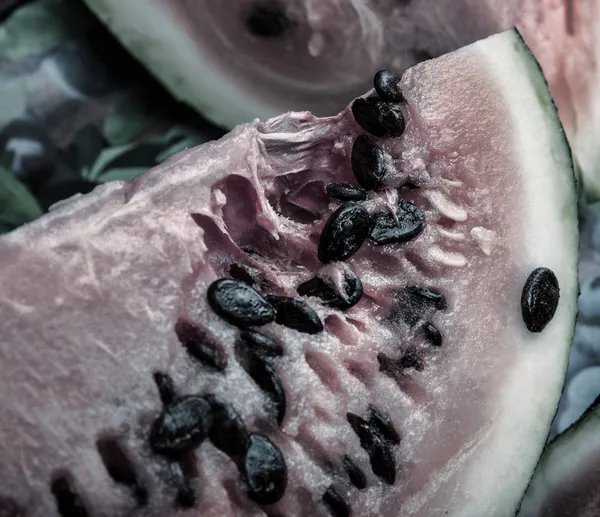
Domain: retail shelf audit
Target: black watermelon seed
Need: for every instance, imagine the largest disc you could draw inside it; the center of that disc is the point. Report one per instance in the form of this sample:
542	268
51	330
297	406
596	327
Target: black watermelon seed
268	19
368	162
345	192
205	353
239	304
296	314
410	359
68	502
432	334
382	424
343	233
338	506
418	303
121	469
264	470
539	299
377	447
362	429
427	296
267	380
382	461
378	117
387	86
228	431
317	287
182	426
356	475
385	230
186	498
261	344
166	387
242	274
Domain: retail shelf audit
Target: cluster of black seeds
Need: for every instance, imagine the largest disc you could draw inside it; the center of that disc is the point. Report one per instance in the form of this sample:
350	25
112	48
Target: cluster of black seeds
186	421
349	226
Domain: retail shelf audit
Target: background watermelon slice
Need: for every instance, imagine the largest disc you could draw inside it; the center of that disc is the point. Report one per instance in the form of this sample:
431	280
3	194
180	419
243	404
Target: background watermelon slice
258	58
566	479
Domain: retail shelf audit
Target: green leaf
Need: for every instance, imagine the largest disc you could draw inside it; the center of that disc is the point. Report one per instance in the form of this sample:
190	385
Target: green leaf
17	204
88	144
129	118
122	174
105	158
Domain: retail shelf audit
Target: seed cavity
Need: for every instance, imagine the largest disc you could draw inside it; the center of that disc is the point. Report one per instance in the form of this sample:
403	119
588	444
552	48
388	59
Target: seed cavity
228	432
383	463
539	299
166	387
345	192
296	314
199	346
368	163
68	502
432	334
378	117
343	233
267	380
337	505
239	304
386	230
264	470
355	474
121	469
241	273
182	426
387	86
261	344
268	19
353	291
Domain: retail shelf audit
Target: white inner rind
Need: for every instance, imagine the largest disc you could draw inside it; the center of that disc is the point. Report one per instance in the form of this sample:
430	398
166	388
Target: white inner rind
512	450
184	81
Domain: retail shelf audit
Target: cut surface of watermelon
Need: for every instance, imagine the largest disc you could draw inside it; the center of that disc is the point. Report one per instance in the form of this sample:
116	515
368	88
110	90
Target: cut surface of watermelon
566	479
258	58
142	373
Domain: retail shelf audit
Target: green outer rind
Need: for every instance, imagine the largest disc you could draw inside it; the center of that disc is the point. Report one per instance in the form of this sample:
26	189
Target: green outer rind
580	195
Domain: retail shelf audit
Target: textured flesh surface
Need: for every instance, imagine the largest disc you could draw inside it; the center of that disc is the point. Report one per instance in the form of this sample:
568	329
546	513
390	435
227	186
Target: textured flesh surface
202	50
91	294
566	480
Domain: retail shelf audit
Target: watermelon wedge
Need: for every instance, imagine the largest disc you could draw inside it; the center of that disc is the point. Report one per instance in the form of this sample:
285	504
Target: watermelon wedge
366	314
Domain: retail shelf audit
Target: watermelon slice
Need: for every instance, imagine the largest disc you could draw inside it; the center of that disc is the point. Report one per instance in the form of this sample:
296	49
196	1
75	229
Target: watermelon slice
566	479
257	58
368	313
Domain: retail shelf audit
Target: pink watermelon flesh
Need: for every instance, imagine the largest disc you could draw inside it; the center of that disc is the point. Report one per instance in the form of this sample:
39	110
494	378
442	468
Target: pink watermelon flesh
101	300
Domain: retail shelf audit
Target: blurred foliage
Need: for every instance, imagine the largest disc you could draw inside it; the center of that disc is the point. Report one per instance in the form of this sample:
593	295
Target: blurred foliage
77	110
